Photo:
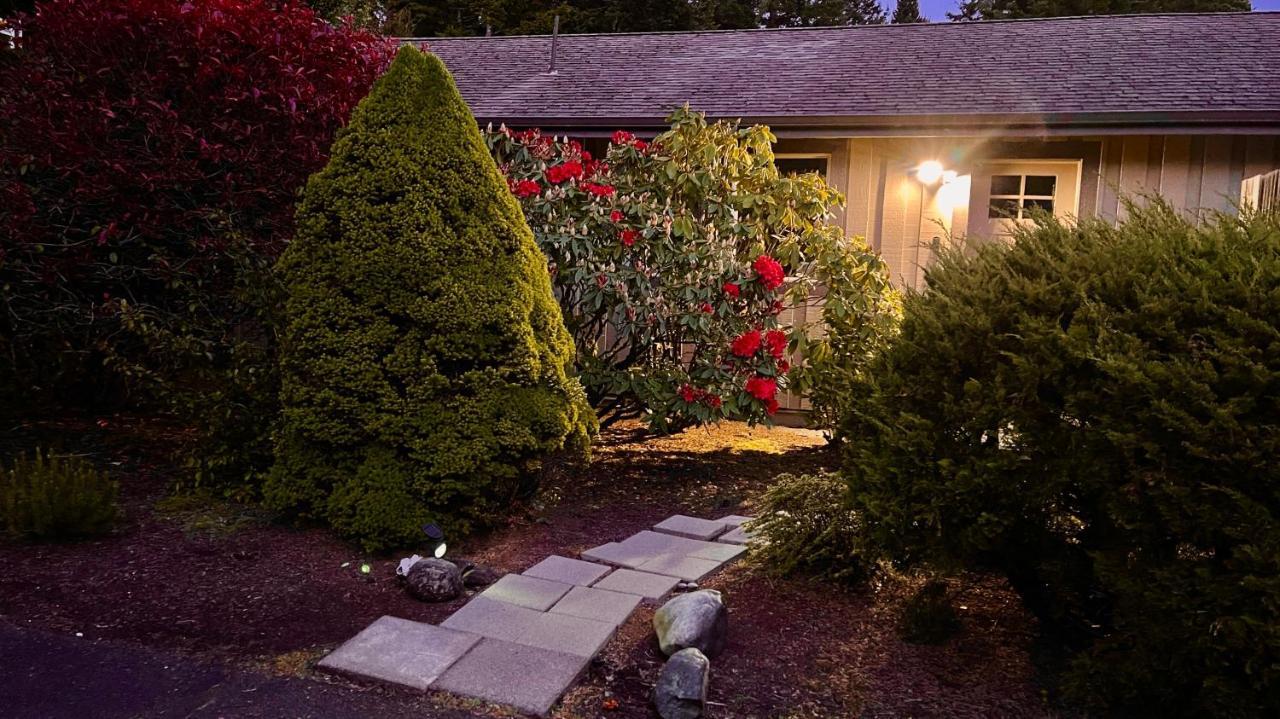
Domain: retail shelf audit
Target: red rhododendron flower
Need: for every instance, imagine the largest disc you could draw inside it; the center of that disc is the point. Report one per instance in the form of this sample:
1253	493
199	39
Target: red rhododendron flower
777	307
776	342
615	216
762	388
732	289
622	137
747	344
707	308
598	190
784	367
640	145
771	406
688	394
564	171
601	280
628	237
769	271
524	188
713	401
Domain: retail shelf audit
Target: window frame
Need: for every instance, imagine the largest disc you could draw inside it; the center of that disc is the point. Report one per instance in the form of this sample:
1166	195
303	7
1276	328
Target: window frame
824	156
1021	197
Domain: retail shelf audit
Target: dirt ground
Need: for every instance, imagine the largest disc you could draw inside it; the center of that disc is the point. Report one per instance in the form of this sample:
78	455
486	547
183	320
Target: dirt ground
222	582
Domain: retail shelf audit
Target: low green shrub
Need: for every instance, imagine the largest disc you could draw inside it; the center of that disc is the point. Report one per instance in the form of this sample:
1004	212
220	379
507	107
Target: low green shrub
1093	410
425	368
805	525
929	617
51	497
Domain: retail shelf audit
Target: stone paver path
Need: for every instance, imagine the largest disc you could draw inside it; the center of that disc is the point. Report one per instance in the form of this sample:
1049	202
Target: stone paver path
528	637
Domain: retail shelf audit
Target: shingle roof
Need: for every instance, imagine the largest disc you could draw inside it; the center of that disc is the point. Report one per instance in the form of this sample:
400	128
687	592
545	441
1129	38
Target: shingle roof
1150	70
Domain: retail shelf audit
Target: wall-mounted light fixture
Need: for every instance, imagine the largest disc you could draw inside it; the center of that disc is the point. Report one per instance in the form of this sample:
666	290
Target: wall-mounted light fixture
931	172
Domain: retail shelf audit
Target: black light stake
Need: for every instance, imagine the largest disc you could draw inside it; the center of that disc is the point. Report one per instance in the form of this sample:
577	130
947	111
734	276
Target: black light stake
436	535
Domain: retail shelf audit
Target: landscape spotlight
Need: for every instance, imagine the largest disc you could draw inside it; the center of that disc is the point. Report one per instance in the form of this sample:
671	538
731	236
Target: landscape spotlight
929	172
436	535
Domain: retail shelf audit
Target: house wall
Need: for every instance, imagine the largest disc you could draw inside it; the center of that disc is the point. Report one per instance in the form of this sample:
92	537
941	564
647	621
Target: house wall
904	220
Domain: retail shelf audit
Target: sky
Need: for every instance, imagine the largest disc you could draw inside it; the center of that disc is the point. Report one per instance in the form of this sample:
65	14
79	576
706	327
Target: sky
936	10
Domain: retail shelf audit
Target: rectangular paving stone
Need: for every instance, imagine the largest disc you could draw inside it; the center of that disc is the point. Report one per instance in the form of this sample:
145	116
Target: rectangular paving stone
735	520
614	554
527	678
400	651
720	552
492	618
529	592
654	543
735	536
650	586
691	527
598	604
567	571
564	633
688	568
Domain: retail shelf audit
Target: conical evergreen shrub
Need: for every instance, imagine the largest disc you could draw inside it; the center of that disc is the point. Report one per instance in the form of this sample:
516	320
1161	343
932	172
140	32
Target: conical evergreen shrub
425	364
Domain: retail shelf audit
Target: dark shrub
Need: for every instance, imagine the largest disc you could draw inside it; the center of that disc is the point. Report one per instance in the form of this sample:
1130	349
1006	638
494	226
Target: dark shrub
929	617
425	363
1095	411
52	497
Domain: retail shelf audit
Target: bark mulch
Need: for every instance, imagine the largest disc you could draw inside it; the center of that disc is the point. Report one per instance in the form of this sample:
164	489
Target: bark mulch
219	582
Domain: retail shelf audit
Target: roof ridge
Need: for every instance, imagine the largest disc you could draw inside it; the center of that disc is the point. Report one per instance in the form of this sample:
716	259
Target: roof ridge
879	26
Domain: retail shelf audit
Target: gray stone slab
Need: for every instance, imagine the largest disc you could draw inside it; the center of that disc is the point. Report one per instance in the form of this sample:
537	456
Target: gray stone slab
492	618
735	520
564	633
719	552
616	555
688	568
598	604
692	527
527	678
400	651
653	543
524	591
735	536
651	587
567	571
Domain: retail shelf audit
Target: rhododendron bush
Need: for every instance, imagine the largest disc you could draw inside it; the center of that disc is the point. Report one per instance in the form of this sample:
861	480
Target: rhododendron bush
673	260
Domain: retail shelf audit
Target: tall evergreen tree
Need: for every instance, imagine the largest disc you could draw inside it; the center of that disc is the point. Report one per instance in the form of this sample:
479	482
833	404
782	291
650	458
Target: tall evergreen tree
970	10
907	11
425	366
818	13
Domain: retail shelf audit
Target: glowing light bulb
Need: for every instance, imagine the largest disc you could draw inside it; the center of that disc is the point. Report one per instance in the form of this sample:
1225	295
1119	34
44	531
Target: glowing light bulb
440	548
929	172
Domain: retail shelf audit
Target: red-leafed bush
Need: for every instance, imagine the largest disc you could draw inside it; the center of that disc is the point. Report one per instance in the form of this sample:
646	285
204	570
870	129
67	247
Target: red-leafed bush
150	154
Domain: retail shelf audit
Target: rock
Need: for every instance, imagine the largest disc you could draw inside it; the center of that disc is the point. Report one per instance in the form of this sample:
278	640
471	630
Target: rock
406	564
698	619
479	576
687	587
464	565
681	691
434	580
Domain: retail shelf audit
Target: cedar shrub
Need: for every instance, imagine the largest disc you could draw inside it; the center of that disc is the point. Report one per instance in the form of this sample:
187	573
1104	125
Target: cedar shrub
53	497
1095	410
425	366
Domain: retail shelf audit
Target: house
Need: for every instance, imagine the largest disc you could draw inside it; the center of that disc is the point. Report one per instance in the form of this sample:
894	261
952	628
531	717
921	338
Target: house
933	129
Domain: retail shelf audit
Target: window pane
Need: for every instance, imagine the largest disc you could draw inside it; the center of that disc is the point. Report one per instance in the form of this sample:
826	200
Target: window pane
801	165
1041	185
1046	205
1006	184
1003	208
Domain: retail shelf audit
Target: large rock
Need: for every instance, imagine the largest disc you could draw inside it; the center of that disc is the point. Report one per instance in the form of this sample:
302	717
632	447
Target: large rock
681	691
697	619
434	580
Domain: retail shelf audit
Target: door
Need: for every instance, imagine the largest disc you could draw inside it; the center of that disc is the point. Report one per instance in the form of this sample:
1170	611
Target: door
1008	193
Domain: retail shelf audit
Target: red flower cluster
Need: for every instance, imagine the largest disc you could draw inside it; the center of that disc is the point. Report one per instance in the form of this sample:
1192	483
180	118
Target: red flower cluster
776	342
747	344
707	308
692	394
597	190
769	271
616	216
764	389
732	290
564	171
628	237
524	188
622	137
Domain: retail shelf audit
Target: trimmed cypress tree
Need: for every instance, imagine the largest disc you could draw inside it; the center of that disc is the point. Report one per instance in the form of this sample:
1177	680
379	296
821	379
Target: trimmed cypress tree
425	366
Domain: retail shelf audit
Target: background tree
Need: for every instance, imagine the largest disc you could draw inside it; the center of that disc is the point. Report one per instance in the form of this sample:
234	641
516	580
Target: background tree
385	16
907	11
971	10
424	365
819	13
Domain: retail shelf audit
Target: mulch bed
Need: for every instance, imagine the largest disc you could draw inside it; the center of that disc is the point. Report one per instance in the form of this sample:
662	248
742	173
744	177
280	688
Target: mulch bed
222	581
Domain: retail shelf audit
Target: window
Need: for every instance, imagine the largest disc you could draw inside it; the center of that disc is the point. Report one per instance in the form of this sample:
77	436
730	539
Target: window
1016	197
799	165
